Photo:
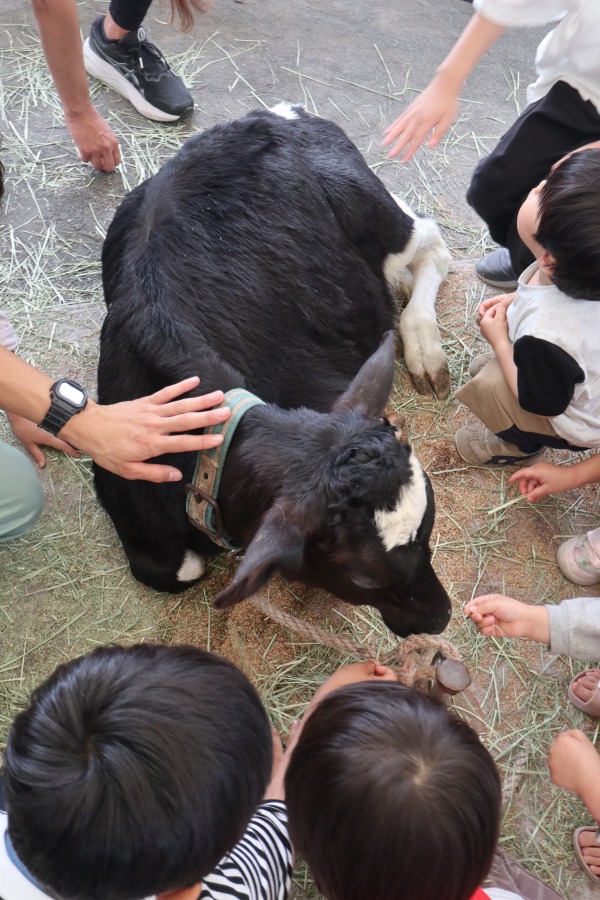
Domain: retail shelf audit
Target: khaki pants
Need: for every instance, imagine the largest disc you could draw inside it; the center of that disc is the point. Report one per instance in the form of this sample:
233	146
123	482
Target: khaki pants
490	398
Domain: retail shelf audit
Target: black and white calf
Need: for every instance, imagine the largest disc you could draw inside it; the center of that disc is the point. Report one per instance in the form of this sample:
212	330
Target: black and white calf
266	255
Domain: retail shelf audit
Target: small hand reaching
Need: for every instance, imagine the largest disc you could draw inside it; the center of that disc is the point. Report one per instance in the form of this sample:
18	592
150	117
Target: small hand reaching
432	113
542	480
496	615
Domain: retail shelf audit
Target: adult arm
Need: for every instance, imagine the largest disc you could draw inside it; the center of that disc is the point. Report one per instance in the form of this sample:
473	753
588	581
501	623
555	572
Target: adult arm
434	110
119	436
59	28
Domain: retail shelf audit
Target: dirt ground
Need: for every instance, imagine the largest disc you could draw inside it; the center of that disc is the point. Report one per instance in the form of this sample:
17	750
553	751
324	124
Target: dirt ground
66	587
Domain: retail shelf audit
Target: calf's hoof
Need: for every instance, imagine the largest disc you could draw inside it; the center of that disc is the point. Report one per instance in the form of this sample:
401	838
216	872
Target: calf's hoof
439	382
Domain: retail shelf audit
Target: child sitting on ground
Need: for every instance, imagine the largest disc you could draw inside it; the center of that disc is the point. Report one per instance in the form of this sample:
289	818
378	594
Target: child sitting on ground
540	390
572	628
391	797
132	773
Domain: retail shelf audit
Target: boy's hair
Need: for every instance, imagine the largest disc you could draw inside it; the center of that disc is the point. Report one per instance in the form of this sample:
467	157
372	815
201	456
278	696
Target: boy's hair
391	797
134	771
569	224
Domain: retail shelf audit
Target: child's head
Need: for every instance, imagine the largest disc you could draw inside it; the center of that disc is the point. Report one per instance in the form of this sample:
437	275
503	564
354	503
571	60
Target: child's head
390	797
560	217
134	770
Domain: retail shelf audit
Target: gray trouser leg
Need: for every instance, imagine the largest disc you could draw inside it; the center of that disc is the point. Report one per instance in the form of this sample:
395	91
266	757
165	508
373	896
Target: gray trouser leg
21	496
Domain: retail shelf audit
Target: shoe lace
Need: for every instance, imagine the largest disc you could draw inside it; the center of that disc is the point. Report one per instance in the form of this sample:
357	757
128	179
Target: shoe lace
149	57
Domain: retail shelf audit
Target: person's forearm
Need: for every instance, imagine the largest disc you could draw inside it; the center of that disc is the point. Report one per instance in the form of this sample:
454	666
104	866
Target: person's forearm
587	471
24	390
590	796
477	38
60	34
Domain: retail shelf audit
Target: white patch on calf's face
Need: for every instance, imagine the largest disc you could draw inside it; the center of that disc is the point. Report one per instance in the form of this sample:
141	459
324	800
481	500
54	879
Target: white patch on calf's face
191	568
399	526
285	110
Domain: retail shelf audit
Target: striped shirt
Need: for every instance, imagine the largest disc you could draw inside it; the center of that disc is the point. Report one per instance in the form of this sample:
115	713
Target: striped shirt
260	866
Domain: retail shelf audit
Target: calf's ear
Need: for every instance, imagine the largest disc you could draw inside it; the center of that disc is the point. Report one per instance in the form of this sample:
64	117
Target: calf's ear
368	392
278	544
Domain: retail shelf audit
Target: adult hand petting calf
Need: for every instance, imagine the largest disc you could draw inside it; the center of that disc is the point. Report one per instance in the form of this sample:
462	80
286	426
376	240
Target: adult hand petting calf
121	436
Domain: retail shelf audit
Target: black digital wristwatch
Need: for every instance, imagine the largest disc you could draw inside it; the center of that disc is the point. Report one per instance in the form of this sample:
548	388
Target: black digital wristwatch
67	399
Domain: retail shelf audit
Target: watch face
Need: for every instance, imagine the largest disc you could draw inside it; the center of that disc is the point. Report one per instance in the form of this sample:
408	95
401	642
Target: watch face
71	393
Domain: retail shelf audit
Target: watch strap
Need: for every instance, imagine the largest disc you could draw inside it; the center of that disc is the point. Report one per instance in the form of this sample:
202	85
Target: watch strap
59	413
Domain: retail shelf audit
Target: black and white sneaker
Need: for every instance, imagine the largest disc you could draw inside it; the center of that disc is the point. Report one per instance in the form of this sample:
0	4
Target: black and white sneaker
497	271
137	70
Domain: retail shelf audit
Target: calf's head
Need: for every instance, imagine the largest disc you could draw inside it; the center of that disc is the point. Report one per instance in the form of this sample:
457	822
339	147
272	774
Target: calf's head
358	524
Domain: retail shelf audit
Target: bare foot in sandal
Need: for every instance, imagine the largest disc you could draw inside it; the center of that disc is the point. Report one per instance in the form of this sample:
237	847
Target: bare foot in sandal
584	692
587	847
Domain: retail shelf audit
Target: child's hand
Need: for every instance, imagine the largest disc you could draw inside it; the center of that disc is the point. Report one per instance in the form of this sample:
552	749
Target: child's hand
501	299
350	674
494	325
33	438
429	116
543	479
499	616
575	765
353	673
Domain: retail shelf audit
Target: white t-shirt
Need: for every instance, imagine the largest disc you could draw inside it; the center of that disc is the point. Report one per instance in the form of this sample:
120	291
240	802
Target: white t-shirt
568	53
541	318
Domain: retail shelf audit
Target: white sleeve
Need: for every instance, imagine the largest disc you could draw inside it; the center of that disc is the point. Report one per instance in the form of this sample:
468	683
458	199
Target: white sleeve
260	866
8	337
514	13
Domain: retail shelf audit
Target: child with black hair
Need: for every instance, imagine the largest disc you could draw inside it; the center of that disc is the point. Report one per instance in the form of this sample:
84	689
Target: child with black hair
135	772
391	797
541	387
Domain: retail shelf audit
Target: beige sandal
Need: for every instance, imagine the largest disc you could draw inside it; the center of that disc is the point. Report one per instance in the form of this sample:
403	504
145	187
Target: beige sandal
595	829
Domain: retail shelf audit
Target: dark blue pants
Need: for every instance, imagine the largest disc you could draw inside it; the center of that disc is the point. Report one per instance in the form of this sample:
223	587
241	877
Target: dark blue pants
129	14
544	132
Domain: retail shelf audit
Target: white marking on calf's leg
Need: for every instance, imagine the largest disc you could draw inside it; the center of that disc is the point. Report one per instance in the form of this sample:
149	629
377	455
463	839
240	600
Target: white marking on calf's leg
399	526
191	568
427	258
396	267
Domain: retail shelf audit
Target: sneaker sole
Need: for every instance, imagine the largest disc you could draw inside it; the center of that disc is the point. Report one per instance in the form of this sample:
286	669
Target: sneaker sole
500	460
504	286
571	570
107	74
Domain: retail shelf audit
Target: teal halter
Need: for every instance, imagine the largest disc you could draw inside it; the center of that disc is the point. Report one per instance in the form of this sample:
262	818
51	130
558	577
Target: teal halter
201	505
